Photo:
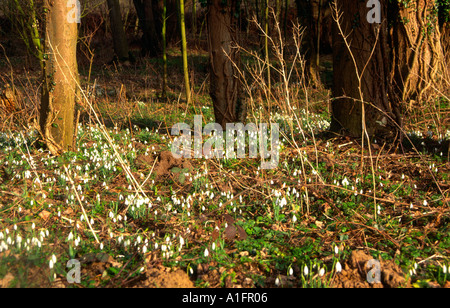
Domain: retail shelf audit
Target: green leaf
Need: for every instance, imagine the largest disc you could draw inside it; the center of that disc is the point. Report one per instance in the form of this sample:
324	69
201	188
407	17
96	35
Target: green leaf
182	178
175	170
112	271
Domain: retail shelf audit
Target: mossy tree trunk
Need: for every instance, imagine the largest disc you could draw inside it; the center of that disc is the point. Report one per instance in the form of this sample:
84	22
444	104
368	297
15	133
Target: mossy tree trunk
187	86
418	56
60	75
444	24
24	17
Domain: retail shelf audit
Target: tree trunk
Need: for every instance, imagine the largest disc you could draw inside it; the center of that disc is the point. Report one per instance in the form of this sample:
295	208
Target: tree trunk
266	45
367	82
308	14
445	40
418	58
149	24
224	76
194	18
118	32
444	23
184	54
164	48
60	75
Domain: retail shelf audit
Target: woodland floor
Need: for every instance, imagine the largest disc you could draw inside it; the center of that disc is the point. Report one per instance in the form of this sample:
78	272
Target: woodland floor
209	222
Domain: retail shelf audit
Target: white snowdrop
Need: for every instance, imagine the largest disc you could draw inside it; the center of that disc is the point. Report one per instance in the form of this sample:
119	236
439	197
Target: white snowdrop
338	267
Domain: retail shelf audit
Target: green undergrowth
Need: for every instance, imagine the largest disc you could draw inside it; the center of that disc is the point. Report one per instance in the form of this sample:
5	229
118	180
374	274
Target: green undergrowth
294	225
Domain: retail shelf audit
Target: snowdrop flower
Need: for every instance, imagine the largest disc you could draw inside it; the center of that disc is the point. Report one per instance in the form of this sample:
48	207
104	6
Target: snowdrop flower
336	249
345	182
53	258
425	203
321	272
444	269
338	267
291	271
305	270
277	281
206	253
181	241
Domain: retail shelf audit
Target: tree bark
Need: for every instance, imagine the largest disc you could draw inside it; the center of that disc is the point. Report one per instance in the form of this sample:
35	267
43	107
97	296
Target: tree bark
445	40
418	58
118	32
60	75
309	17
224	76
444	23
149	24
361	74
